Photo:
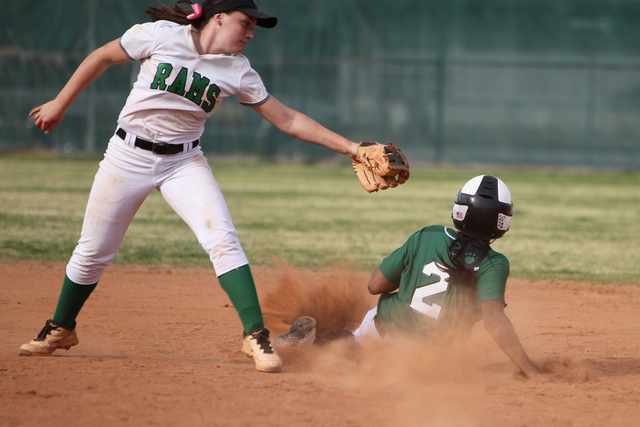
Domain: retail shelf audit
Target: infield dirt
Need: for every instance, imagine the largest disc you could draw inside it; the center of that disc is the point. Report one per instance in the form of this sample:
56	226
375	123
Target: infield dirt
161	347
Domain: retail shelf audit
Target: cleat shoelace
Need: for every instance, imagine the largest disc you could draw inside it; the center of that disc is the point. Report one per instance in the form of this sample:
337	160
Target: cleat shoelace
48	328
263	341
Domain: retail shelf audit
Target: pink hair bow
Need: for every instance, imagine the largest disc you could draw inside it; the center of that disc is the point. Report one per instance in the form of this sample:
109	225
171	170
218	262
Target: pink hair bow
197	11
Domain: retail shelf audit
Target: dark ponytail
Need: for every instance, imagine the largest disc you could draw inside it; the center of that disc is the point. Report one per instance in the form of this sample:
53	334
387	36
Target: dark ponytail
178	14
466	254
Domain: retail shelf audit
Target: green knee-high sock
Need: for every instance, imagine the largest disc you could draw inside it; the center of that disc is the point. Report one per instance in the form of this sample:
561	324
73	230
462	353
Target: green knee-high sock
72	298
241	289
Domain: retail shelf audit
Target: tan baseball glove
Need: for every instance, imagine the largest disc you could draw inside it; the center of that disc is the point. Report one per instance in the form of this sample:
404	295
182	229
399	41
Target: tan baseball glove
379	166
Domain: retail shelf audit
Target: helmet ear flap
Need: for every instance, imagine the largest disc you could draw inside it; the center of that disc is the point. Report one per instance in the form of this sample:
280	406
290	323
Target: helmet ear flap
483	208
504	222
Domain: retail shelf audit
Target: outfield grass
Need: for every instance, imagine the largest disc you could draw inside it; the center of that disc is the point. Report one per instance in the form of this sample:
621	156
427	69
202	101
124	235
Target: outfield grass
567	224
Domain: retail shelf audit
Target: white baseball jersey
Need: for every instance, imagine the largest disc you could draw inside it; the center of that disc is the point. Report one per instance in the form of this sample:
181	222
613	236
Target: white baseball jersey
177	88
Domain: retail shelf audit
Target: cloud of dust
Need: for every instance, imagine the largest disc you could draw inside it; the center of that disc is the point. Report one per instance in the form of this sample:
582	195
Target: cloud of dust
385	363
337	299
421	384
568	370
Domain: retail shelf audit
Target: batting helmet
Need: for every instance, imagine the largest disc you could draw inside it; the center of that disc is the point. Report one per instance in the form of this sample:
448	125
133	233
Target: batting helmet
483	208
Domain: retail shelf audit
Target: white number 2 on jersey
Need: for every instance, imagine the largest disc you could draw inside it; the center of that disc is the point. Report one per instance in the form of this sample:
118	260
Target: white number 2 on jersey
417	301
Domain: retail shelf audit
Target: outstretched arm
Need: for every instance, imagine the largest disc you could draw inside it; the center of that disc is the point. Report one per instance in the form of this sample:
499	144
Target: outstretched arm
49	115
501	329
302	127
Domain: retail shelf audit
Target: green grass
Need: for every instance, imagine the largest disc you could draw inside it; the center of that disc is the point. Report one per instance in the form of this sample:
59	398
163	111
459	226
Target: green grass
569	225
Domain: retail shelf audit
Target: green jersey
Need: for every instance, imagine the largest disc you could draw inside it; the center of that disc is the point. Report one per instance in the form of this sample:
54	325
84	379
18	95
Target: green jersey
426	301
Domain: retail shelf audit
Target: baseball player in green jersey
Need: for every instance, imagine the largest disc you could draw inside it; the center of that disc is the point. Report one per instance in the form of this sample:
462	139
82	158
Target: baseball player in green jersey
442	281
190	61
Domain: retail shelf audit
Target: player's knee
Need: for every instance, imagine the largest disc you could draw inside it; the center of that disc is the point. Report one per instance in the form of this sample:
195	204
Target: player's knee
86	268
224	249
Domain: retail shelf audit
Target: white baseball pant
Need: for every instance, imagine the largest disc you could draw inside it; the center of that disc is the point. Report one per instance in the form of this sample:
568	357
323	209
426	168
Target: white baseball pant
368	327
126	176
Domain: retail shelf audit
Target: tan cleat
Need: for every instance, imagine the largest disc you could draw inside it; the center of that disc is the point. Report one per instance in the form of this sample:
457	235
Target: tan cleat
257	345
52	337
301	334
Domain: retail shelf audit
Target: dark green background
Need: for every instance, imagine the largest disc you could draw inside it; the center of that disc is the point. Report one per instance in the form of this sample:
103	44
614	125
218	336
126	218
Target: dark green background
538	82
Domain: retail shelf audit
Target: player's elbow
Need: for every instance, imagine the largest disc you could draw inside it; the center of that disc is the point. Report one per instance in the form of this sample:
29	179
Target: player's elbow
374	287
496	323
288	125
491	324
492	314
378	284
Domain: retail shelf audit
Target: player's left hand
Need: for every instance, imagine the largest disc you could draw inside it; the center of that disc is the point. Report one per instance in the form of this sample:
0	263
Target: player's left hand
379	166
47	116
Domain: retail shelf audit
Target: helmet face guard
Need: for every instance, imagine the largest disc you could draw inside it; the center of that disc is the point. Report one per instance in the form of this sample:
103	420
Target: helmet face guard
483	208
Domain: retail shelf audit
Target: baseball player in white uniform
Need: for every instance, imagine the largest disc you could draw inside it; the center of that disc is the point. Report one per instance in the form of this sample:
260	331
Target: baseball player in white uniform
190	62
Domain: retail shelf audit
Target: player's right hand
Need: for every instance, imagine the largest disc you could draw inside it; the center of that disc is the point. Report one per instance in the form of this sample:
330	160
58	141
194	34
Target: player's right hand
48	116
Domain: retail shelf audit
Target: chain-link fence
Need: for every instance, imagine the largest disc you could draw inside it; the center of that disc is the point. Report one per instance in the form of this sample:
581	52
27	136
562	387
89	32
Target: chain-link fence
540	82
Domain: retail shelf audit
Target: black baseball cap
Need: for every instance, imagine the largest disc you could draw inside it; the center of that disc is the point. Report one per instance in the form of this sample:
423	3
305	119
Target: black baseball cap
247	7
